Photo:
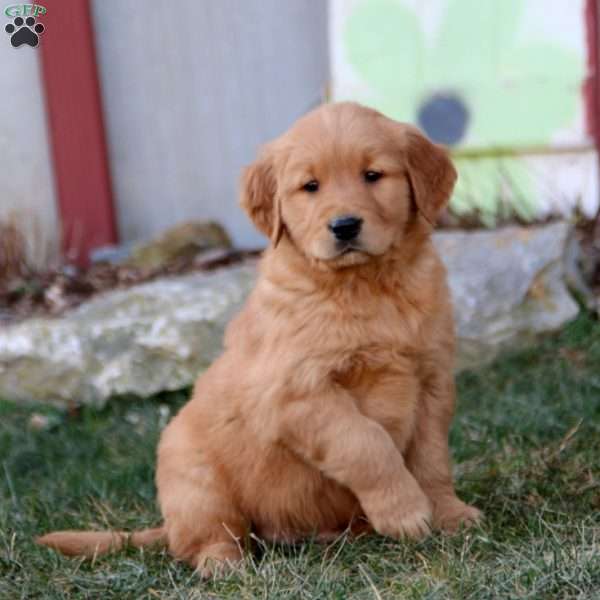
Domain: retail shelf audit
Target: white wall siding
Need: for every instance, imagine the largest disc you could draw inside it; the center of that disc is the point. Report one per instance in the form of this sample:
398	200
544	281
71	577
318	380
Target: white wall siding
190	90
26	185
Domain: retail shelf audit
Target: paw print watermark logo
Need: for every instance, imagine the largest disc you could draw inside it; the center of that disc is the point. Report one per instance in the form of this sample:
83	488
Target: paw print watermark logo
24	32
24	29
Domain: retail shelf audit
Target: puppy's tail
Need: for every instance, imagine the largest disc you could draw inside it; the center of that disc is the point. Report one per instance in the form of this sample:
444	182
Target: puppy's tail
95	543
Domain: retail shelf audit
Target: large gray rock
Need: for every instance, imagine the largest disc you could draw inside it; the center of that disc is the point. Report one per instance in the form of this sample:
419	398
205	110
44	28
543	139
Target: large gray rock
151	337
508	286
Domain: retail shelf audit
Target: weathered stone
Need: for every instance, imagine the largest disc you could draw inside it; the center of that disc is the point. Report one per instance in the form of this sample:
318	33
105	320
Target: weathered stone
508	286
151	337
183	241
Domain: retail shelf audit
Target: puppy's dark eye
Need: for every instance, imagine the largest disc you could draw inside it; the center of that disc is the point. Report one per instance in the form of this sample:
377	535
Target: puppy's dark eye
312	186
372	176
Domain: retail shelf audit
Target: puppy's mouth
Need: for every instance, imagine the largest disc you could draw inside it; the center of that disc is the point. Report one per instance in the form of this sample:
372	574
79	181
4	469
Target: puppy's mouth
346	248
343	253
349	254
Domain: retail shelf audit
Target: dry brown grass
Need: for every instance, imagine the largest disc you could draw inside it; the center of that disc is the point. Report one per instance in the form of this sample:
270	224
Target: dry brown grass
26	247
13	252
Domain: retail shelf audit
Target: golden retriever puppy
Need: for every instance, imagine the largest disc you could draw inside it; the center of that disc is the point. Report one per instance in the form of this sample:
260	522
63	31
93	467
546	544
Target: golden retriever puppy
330	406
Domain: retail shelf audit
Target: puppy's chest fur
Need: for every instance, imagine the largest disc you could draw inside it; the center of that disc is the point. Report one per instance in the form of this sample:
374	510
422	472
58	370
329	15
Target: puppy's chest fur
377	360
384	340
385	385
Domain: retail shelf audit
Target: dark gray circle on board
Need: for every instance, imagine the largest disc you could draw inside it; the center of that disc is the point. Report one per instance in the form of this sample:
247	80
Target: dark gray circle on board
444	116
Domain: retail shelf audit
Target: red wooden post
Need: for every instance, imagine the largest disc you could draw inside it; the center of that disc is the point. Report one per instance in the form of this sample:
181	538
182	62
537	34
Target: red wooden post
591	87
76	127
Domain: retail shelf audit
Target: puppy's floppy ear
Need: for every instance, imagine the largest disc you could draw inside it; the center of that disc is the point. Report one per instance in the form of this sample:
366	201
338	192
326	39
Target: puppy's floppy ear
431	174
259	196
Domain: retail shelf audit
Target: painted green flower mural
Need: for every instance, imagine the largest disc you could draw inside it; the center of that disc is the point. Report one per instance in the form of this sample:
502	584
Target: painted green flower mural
477	84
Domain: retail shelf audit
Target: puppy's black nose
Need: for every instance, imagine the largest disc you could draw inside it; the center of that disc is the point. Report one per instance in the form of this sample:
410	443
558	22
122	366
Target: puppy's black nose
345	228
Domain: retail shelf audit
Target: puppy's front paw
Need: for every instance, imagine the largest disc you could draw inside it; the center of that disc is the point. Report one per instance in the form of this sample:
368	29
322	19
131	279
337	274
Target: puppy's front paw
451	515
415	524
401	516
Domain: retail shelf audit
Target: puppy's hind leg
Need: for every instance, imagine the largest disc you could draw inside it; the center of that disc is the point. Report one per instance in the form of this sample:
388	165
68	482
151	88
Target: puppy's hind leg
428	455
203	526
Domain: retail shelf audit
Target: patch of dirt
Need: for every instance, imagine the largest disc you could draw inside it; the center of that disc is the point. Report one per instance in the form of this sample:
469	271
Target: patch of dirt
26	293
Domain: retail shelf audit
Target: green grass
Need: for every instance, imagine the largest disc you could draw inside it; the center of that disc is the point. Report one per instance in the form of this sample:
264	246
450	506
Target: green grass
527	446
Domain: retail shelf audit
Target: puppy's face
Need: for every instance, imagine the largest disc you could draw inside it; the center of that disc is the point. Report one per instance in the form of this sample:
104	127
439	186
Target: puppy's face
344	183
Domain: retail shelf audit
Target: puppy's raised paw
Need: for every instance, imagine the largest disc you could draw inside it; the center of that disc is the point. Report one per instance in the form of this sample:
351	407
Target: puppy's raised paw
403	517
415	525
452	515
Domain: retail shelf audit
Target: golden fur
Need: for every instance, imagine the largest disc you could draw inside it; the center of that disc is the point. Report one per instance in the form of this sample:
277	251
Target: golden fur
330	406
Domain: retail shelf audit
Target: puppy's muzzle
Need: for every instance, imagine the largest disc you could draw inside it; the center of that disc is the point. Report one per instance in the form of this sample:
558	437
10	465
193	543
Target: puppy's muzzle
346	228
